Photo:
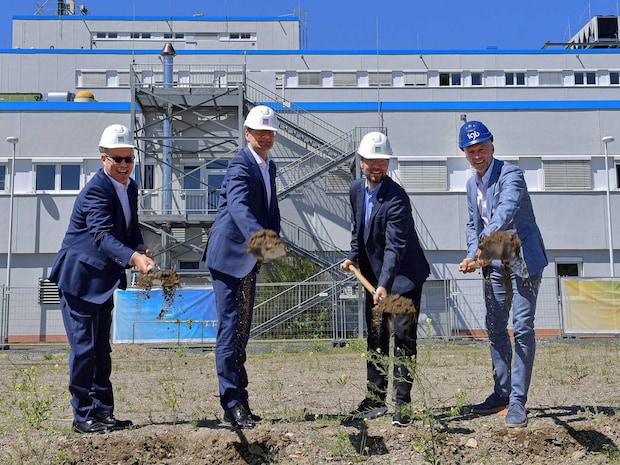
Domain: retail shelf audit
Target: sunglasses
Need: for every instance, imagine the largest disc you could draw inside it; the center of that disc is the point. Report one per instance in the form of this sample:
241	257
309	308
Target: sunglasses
121	159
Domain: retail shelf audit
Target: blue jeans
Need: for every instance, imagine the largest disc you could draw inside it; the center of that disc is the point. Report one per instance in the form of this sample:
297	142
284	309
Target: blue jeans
504	290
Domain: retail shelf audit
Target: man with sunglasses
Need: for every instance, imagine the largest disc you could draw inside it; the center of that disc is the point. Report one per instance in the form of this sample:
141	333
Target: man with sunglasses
102	240
247	204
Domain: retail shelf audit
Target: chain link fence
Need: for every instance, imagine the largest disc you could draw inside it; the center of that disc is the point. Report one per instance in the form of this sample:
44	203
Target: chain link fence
325	310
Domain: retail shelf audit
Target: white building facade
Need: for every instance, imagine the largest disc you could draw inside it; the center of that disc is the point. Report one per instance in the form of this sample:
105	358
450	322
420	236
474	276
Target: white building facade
548	109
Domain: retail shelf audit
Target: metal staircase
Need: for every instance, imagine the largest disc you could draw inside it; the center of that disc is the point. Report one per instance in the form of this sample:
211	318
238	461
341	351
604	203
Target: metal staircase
213	102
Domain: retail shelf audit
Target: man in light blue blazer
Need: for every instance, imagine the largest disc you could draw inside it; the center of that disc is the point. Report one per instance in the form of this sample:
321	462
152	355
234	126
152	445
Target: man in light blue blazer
102	240
247	204
498	200
385	246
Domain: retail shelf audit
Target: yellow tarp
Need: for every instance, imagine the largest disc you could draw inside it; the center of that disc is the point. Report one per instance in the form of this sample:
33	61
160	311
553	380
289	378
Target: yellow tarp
591	306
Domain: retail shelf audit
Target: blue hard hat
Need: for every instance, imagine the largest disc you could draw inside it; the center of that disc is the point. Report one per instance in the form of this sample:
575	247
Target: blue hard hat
472	133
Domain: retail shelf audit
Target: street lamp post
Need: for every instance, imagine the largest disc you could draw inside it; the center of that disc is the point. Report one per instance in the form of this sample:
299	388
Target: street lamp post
608	140
7	288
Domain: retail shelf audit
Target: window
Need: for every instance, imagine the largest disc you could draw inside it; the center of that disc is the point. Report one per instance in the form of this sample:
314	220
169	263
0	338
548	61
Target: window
419	176
614	78
415	79
45	177
92	79
240	36
567	174
57	177
449	79
381	79
585	77
179	36
69	177
344	79
167	35
3	183
552	78
476	79
149	177
195	193
185	266
567	269
309	79
515	79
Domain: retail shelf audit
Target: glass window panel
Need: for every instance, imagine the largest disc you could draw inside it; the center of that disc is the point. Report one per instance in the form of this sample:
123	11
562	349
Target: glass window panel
45	177
70	177
191	180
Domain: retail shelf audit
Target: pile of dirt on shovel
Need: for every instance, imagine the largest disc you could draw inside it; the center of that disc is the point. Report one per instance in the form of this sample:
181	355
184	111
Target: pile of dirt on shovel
265	243
502	245
392	305
169	281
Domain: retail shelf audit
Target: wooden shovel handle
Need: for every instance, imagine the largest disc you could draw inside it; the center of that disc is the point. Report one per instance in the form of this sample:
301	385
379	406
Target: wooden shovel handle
362	280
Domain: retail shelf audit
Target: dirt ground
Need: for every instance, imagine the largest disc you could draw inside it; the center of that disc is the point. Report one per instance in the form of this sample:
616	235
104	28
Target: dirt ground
303	393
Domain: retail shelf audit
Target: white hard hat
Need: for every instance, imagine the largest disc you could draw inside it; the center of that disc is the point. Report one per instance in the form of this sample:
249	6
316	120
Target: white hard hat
117	136
375	146
261	117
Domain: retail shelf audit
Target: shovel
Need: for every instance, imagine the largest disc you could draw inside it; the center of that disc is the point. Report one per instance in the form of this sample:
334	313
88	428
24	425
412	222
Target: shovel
392	304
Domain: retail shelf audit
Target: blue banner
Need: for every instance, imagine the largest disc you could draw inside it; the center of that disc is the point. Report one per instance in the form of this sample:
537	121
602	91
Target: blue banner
152	316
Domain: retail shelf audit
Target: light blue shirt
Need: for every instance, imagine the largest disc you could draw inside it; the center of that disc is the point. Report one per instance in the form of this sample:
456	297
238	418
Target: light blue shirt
369	202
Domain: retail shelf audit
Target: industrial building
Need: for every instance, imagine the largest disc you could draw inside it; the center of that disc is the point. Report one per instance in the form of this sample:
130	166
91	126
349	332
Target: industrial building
184	84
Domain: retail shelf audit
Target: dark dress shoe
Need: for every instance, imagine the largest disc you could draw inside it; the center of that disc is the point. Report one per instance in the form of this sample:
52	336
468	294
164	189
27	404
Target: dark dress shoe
252	415
106	418
238	416
89	426
111	421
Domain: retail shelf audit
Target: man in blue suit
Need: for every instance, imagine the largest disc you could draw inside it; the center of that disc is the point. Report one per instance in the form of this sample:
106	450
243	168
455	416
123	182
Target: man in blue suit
102	240
498	200
247	204
385	246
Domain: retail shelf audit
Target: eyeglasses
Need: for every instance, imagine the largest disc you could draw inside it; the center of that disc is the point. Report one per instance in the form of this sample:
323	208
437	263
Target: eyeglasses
263	132
121	159
375	161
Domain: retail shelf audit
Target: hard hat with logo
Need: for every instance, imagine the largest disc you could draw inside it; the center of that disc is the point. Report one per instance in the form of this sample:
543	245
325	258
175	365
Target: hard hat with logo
117	136
375	146
472	133
261	117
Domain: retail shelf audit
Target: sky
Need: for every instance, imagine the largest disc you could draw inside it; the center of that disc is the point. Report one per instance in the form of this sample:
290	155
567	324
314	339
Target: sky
372	25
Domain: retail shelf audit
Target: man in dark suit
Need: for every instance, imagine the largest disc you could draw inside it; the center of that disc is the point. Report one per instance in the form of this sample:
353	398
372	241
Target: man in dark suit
385	245
102	240
247	204
498	200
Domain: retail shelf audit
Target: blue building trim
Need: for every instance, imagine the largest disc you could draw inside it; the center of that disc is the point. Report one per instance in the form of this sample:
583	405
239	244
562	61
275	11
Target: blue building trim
413	53
66	106
458	106
531	105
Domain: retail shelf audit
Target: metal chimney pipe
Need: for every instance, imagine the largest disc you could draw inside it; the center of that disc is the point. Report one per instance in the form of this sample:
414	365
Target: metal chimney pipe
168	53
